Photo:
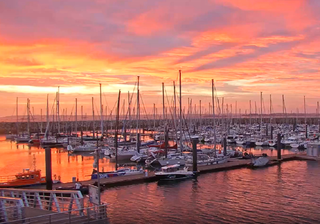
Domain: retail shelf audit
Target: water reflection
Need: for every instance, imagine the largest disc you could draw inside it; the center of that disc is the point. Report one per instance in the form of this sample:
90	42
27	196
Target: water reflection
287	193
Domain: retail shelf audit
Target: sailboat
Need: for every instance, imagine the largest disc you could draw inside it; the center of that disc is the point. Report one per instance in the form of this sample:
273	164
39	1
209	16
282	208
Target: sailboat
174	158
25	137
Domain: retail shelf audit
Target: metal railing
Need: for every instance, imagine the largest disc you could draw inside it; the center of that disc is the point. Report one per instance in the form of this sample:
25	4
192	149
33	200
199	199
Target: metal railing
51	200
89	215
11	209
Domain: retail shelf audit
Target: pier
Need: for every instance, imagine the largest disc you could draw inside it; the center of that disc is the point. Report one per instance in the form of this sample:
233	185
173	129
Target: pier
233	163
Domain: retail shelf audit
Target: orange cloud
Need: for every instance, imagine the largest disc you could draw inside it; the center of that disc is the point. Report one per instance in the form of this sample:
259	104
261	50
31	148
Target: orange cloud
247	46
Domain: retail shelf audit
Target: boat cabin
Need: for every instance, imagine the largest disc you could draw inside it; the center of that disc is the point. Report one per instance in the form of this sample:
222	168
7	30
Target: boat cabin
171	168
29	175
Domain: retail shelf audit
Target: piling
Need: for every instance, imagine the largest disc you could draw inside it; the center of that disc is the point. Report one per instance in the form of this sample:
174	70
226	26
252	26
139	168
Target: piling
279	146
48	168
125	134
138	142
306	131
194	153
267	129
224	146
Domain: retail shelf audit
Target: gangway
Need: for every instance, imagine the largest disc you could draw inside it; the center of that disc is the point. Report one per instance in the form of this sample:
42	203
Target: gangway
11	209
48	206
51	200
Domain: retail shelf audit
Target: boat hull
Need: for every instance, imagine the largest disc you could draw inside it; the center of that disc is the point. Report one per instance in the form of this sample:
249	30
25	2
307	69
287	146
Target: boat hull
174	177
104	175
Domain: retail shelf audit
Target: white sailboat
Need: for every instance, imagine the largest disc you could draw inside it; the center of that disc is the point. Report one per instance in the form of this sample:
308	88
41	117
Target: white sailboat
174	158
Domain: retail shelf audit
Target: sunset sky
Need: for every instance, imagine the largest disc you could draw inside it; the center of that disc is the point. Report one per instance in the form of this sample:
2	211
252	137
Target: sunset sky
247	46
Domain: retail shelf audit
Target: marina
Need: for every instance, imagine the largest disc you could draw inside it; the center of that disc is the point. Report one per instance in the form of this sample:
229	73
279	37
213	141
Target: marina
85	164
168	112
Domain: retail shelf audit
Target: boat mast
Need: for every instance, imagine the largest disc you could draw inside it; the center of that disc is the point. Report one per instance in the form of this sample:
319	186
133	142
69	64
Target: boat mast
138	116
93	124
76	117
129	108
305	115
163	105
129	116
255	111
200	121
17	110
101	112
175	109
318	115
58	108
116	129
270	108
250	112
214	117
222	114
283	110
154	117
236	112
41	120
305	110
260	111
47	128
180	113
28	113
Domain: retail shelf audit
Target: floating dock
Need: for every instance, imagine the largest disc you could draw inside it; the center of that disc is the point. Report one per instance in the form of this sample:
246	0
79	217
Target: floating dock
233	163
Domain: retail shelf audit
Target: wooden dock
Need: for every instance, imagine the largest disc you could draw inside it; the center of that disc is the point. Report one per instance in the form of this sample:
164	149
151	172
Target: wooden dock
233	163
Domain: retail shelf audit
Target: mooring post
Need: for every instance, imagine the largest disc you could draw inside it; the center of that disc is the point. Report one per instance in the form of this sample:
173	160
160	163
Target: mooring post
48	168
125	134
279	146
224	146
194	153
306	131
267	129
138	142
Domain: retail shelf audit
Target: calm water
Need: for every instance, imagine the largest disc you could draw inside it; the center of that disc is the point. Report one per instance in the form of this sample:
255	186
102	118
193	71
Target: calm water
288	193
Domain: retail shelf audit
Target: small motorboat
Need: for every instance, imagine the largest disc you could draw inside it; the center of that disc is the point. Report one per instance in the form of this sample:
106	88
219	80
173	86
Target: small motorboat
117	173
24	179
260	161
272	143
240	142
174	172
294	145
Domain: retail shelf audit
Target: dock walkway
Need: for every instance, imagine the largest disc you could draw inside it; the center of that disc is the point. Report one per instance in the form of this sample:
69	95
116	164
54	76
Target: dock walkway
233	163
